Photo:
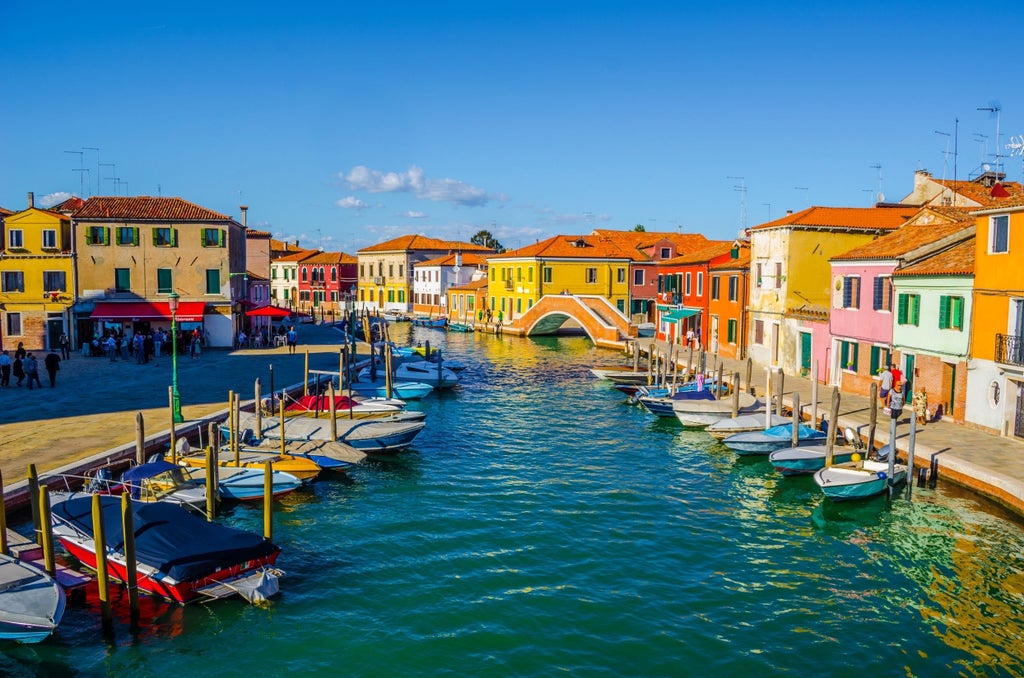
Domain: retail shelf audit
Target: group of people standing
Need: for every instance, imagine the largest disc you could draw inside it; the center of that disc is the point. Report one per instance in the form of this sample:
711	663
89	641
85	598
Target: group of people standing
24	366
891	393
144	346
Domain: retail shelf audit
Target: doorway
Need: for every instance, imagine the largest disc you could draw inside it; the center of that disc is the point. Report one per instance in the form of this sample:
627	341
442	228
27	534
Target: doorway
948	395
775	343
908	375
54	328
805	354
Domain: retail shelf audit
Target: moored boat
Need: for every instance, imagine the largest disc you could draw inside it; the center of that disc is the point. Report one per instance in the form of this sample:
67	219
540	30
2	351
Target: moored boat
423	371
318	405
723	428
245	484
858	479
179	556
163	481
807	459
771	439
405	390
370	436
703	413
31	602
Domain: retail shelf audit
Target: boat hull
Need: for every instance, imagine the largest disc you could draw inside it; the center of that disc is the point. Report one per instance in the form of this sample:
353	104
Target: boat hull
744	423
31	603
805	460
858	480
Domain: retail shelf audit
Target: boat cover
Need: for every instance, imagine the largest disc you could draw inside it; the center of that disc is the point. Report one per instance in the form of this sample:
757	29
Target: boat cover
148	470
786	430
168	537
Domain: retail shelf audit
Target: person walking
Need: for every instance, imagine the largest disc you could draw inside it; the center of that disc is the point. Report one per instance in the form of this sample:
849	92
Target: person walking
884	383
65	346
5	369
31	368
293	338
158	344
894	401
18	369
20	351
52	363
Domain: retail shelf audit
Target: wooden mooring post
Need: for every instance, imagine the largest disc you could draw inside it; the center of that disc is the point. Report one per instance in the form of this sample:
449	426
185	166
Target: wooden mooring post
131	567
102	578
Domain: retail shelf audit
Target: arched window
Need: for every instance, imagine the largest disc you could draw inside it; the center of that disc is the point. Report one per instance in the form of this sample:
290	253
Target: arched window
303	274
334	274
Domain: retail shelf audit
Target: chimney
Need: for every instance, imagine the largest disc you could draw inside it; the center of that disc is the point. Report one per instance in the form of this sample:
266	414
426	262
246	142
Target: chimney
31	199
788	212
245	211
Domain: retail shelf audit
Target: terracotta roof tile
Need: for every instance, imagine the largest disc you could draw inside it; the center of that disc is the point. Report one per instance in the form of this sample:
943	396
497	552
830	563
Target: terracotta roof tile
468	259
255	276
980	193
741	262
643	240
577	247
282	246
868	218
70	205
253	234
295	256
717	249
4	212
406	243
146	208
958	260
906	239
471	285
328	258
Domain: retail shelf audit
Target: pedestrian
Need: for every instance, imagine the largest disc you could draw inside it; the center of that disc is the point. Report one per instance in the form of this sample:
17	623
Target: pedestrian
5	369
894	401
31	368
885	383
18	368
242	339
52	363
897	375
65	346
194	348
921	405
140	349
112	348
158	344
20	351
293	337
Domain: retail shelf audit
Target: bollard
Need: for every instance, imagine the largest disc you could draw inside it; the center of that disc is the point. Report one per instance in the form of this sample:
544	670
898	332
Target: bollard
33	497
3	518
933	475
140	439
211	507
258	411
131	579
47	531
268	500
100	541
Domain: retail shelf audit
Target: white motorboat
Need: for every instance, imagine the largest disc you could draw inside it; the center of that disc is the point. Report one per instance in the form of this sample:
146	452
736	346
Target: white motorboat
703	413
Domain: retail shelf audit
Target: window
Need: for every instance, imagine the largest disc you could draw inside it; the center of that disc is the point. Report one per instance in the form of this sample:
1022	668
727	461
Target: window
122	280
165	237
848	355
16	239
908	309
213	281
758	331
14	281
97	235
362	274
851	292
999	240
519	304
334	274
591	275
880	359
391	296
731	331
13	324
666	252
164	281
391	270
304	274
882	297
401	267
620	276
700	284
734	288
951	313
212	237
49	239
688	274
127	235
716	284
778	274
757	275
519	274
54	281
401	295
547	274
638	276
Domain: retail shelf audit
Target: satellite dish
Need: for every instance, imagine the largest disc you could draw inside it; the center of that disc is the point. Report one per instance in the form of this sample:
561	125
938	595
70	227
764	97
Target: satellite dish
881	197
986	167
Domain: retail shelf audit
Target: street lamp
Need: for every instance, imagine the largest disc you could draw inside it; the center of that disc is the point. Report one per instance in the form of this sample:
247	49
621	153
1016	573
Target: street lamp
172	302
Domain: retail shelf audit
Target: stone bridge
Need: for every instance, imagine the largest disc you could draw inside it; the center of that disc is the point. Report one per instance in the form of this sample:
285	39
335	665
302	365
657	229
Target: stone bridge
602	322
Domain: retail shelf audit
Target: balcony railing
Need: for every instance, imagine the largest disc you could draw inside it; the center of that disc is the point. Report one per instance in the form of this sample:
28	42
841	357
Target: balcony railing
1009	349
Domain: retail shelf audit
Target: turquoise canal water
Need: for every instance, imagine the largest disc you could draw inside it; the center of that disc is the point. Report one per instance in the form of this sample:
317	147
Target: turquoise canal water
541	526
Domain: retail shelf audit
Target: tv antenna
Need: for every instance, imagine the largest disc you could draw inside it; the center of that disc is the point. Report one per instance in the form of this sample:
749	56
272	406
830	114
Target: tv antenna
945	154
742	190
878	166
769	206
113	170
994	109
81	176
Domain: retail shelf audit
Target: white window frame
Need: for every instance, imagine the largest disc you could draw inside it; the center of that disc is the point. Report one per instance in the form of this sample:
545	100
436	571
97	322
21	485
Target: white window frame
51	235
16	239
994	222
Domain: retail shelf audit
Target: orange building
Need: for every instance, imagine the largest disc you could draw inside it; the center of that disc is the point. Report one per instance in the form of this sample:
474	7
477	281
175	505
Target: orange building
727	303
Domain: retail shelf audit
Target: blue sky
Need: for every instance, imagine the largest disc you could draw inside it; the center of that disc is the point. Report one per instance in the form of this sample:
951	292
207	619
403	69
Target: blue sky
343	124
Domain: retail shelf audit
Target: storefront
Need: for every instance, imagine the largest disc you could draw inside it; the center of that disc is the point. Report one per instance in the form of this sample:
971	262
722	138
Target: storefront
126	318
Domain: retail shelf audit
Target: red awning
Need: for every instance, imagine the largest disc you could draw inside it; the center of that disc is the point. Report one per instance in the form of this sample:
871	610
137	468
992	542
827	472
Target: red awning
188	311
269	312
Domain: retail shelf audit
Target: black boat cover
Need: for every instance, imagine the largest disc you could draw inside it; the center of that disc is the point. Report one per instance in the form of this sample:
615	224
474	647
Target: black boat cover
169	537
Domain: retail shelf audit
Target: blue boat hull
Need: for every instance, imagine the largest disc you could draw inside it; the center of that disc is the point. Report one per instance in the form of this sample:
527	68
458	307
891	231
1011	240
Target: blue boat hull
805	461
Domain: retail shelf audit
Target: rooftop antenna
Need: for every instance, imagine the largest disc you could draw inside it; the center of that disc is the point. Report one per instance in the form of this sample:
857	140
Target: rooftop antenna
803	188
769	206
94	148
158	192
81	177
88	180
945	154
870	200
742	189
994	108
878	166
1016	148
982	140
113	170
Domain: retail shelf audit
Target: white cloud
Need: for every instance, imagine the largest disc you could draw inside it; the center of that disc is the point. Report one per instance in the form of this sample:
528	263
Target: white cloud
51	199
415	181
351	203
413	214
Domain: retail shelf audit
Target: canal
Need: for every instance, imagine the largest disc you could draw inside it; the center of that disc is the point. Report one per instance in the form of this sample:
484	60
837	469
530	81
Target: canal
543	526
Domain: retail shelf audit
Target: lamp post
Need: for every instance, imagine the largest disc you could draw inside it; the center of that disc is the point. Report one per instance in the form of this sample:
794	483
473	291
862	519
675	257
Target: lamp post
172	302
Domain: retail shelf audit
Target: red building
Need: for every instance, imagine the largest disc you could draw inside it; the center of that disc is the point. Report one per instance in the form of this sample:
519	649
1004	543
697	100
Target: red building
684	292
325	281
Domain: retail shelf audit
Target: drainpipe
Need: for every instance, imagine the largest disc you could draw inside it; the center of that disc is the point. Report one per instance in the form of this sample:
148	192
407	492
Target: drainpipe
73	326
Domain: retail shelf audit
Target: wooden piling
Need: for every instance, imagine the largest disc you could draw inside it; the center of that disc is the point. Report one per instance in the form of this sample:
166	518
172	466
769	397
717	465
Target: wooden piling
236	435
796	418
283	442
140	439
911	443
718	381
750	376
215	444
49	563
782	385
33	496
211	462
768	398
3	517
334	411
131	567
100	542
833	415
892	447
231	421
872	416
268	500
814	395
735	394
258	410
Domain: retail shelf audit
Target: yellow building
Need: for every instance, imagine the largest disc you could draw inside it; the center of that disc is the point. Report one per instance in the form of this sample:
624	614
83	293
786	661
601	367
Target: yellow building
386	269
36	285
565	264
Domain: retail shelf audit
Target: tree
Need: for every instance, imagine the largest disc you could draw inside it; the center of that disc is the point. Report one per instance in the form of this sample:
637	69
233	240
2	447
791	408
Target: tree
487	240
639	228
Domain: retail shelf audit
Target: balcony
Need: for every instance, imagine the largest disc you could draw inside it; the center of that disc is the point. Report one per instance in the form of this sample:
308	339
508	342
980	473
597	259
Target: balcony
1009	349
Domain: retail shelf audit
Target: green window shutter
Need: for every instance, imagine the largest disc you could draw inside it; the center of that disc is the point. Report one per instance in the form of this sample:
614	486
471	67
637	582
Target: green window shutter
901	311
88	237
174	237
958	313
944	308
220	237
135	236
155	236
915	310
106	235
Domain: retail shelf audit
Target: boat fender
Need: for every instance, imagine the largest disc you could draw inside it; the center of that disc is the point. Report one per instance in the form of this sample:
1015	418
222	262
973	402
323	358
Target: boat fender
881	475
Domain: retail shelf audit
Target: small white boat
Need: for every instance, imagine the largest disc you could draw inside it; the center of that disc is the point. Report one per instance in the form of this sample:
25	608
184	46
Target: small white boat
423	371
807	459
743	423
858	479
703	413
31	602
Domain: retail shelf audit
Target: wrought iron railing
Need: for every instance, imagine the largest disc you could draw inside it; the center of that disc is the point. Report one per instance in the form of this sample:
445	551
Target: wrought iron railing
1009	349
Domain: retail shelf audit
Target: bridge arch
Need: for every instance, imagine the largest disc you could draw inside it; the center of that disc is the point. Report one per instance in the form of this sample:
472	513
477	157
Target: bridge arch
600	320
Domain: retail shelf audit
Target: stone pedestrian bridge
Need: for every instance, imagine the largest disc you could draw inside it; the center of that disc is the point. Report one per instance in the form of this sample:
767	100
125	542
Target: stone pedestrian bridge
603	323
